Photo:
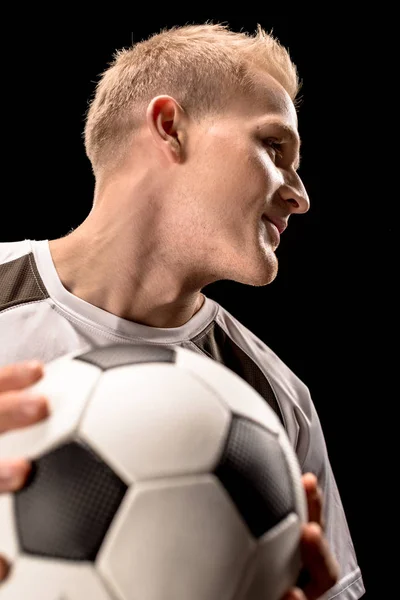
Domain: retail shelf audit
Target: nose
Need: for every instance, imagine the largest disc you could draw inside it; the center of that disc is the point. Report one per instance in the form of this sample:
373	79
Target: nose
294	193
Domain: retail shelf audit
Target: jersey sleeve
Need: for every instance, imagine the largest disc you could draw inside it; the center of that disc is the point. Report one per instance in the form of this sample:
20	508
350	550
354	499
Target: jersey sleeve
350	585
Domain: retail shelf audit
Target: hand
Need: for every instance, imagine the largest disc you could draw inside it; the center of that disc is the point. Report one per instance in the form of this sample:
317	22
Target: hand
320	568
18	408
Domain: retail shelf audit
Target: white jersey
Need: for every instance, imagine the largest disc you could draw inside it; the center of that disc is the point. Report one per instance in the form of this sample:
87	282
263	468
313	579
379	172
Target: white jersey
40	319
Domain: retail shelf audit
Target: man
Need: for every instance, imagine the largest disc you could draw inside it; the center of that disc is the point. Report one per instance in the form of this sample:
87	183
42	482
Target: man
193	140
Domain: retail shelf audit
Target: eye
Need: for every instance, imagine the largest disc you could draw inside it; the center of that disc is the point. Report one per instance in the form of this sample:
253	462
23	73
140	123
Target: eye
275	145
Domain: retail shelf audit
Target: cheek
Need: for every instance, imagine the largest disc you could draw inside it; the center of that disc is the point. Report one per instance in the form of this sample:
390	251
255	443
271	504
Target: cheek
226	179
264	166
244	174
234	179
253	180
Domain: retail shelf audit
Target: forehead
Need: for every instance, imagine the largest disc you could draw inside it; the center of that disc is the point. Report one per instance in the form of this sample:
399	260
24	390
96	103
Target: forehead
269	99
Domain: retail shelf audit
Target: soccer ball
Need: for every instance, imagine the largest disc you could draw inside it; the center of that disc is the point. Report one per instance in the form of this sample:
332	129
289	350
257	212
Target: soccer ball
160	475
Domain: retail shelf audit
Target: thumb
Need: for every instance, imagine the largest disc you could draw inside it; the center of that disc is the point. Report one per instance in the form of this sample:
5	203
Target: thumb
4	568
294	594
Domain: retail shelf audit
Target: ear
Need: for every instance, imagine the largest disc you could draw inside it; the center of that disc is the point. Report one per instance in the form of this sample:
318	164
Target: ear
165	120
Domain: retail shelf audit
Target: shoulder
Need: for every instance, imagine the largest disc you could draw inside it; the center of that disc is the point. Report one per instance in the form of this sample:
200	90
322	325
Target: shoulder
277	371
20	281
262	364
10	251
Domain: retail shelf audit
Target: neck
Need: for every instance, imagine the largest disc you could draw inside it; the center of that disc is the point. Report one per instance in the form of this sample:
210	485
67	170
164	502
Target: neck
125	273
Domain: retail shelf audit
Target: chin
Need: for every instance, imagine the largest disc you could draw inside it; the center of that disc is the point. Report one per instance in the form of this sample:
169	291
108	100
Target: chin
260	274
262	280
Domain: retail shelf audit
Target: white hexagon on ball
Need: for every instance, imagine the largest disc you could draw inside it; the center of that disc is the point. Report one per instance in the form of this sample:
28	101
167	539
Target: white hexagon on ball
70	383
48	579
234	392
8	531
172	424
176	538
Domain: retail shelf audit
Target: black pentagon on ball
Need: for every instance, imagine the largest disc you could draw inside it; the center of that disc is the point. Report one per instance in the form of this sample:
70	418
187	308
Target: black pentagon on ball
253	469
118	355
67	506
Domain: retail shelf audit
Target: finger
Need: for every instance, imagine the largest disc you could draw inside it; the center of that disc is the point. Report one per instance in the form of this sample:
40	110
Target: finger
294	594
13	474
20	375
21	408
319	561
4	568
314	499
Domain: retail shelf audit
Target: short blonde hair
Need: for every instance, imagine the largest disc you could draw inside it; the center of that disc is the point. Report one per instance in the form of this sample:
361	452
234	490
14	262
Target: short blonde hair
199	65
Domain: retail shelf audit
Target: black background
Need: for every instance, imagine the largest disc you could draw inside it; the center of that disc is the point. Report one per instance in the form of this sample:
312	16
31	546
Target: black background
329	313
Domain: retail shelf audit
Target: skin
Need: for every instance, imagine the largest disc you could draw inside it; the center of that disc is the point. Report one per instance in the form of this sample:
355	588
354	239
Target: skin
182	210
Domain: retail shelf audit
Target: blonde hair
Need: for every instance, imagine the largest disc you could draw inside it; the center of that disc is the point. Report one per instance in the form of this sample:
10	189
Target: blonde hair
199	65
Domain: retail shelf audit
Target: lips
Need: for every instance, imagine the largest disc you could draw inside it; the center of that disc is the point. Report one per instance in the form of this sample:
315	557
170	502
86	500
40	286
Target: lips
280	224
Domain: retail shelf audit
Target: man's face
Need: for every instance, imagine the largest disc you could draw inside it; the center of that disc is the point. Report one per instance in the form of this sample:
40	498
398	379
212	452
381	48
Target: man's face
239	176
